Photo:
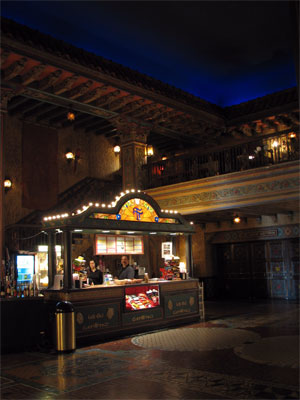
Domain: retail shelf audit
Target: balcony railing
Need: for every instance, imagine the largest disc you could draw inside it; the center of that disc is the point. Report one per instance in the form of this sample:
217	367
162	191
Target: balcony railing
259	153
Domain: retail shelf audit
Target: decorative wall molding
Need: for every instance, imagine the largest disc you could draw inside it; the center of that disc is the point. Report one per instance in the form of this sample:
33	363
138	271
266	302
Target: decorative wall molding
246	235
251	187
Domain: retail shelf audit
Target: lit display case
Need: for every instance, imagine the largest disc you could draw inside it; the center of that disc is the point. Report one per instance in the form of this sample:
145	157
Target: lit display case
141	297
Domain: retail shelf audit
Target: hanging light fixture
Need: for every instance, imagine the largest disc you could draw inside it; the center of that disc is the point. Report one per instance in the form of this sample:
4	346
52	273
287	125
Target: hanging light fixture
71	116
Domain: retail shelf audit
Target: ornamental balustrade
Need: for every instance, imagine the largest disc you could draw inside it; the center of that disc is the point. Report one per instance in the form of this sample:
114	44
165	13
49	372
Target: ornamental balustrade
261	152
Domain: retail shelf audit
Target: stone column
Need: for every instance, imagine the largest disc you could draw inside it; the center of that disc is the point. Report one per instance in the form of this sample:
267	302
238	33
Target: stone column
133	144
51	258
6	95
68	276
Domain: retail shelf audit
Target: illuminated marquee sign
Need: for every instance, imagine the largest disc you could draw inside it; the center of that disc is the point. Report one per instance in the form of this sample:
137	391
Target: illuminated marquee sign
135	210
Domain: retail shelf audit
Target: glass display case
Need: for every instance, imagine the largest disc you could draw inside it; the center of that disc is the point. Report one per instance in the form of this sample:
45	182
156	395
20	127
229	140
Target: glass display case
141	297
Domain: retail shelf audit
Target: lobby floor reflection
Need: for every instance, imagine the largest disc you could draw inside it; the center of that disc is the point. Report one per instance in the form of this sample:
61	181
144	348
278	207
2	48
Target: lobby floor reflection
242	351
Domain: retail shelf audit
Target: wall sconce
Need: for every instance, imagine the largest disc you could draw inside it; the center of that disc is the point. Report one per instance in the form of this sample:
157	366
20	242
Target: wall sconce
117	149
236	220
69	155
163	157
7	184
149	150
71	116
292	135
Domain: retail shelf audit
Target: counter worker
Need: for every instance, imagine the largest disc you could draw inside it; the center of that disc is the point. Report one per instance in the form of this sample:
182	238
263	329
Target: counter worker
127	271
95	275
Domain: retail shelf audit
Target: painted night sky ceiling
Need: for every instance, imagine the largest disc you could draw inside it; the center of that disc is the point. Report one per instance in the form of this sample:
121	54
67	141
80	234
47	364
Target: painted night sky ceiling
221	51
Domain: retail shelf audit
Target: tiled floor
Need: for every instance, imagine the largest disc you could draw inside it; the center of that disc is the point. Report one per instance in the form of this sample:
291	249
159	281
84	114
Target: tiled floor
242	351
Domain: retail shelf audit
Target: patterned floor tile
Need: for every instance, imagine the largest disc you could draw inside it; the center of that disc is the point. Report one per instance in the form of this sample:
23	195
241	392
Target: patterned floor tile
282	351
122	370
21	391
195	339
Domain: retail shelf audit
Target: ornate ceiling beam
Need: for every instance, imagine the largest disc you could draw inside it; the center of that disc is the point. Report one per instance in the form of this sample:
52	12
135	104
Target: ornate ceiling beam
4	56
16	103
33	74
65	85
119	103
109	98
30	108
14	69
99	76
48	114
79	90
94	94
57	116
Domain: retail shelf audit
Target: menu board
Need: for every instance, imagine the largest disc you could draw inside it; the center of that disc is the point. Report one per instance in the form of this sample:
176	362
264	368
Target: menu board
118	244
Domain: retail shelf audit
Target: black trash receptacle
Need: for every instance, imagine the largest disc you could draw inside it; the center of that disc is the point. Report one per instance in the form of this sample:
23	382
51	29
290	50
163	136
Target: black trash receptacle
65	327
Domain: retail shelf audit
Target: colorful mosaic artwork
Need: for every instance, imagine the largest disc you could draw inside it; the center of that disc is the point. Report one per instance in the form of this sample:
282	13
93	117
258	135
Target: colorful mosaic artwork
135	210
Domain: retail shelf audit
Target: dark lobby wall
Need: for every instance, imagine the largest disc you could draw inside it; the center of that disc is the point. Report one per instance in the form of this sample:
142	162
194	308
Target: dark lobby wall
39	167
45	173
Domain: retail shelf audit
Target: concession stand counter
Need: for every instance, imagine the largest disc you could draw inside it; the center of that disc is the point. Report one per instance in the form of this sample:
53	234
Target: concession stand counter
134	225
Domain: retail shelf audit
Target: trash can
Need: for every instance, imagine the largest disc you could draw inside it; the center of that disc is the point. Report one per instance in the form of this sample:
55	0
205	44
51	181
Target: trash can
65	327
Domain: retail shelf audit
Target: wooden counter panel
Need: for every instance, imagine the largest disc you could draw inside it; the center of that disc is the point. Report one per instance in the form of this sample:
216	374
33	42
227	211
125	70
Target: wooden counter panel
87	294
91	318
180	304
178	286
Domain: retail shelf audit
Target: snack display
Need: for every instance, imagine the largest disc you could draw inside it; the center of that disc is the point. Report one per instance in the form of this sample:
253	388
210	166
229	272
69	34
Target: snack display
170	270
145	297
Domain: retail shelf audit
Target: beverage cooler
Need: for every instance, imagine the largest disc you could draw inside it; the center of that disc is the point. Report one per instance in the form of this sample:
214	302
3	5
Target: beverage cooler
25	265
41	262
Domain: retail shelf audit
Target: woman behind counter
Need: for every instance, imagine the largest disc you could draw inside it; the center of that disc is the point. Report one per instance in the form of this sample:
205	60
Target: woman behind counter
95	275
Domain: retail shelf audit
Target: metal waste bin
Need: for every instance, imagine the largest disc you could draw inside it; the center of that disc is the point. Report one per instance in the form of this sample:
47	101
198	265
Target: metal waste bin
65	327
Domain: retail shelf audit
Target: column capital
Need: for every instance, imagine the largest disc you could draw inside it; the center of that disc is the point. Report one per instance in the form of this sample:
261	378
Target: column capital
6	95
131	131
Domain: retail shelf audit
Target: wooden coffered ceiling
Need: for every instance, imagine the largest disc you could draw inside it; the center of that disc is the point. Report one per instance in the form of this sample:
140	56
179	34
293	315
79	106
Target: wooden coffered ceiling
43	93
43	78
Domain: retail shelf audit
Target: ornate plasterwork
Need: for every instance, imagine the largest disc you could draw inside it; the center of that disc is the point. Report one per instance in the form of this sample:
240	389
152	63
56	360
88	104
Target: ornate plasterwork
233	192
269	233
258	186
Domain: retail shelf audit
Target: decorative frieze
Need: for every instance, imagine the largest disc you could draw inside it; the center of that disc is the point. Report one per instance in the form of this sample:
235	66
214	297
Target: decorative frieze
246	235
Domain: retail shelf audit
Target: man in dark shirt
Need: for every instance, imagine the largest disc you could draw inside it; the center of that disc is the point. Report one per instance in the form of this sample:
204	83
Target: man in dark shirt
127	271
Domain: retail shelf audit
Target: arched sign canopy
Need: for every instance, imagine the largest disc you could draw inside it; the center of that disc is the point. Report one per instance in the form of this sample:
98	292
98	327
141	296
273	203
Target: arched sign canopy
134	211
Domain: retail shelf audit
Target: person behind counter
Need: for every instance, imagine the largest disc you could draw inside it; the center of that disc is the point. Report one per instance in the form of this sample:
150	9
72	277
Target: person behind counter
95	275
127	271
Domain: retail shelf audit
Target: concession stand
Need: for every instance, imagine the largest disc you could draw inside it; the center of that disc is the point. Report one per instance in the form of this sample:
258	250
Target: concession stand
161	295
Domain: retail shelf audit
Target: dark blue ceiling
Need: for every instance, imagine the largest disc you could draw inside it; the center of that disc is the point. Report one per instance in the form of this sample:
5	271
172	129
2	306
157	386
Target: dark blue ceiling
221	51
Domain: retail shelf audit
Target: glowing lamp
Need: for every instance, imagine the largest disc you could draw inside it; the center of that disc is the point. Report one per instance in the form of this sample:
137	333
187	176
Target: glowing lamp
7	184
149	150
69	156
117	149
71	116
237	220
